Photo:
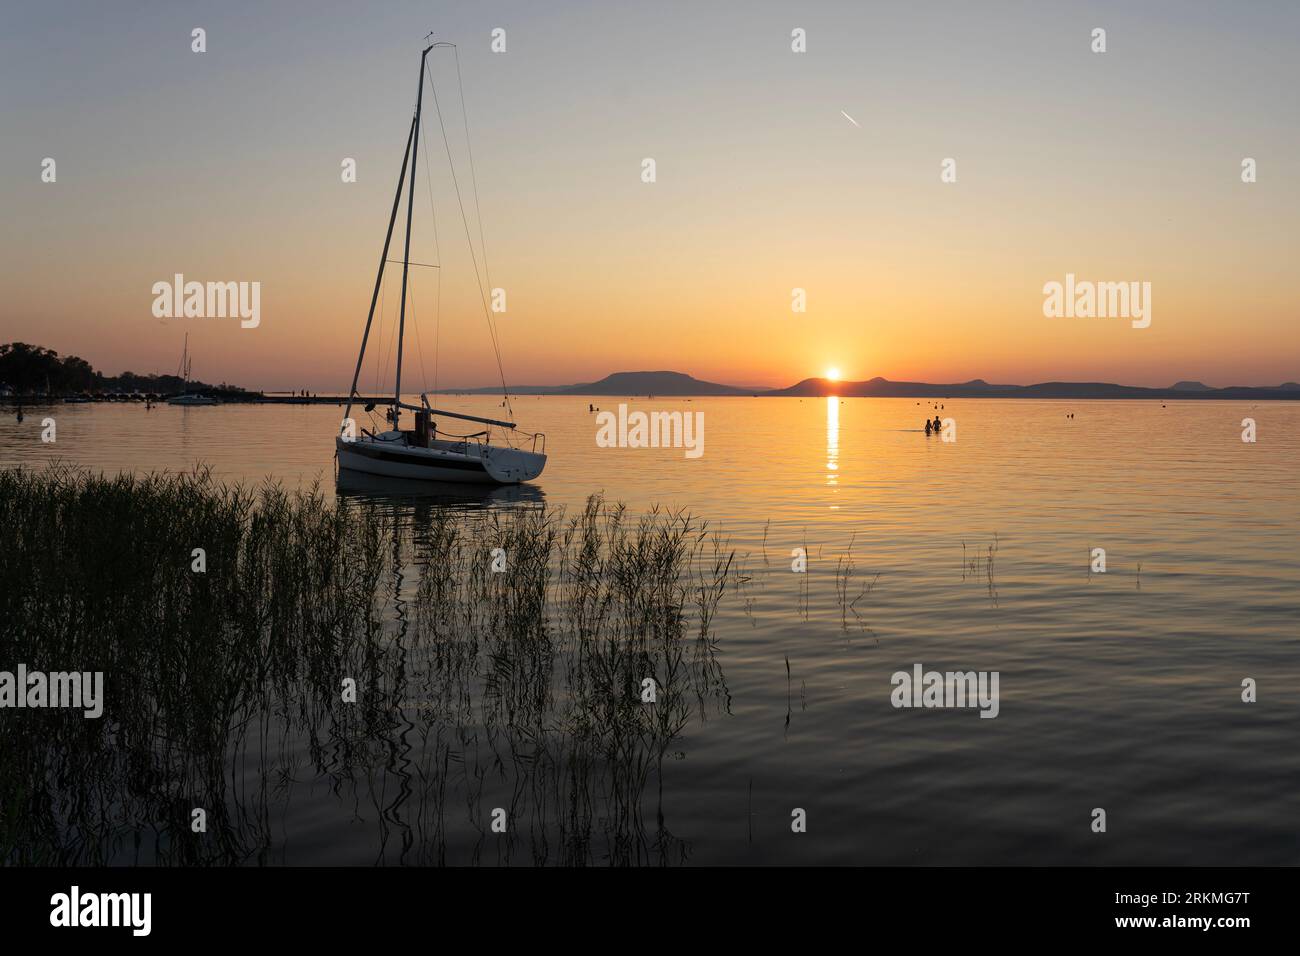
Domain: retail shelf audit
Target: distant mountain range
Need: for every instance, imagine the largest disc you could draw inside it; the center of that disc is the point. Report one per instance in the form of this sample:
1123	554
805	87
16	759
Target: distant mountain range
680	384
978	388
626	383
654	383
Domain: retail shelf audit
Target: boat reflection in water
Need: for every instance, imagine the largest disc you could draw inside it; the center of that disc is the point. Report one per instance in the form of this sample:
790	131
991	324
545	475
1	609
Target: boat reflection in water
361	485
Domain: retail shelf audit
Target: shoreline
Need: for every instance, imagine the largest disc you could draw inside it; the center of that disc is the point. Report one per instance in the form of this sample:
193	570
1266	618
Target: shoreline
1233	395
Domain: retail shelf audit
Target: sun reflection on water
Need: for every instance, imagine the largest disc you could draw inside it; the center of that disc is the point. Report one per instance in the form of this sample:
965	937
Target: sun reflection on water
832	439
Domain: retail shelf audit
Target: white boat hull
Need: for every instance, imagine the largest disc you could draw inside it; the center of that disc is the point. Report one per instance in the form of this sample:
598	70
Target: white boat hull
446	462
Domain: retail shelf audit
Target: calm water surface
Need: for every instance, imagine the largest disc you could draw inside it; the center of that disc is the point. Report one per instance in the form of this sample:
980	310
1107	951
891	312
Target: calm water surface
1119	690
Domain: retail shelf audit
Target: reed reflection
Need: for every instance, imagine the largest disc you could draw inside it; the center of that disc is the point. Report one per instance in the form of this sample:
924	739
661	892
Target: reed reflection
476	689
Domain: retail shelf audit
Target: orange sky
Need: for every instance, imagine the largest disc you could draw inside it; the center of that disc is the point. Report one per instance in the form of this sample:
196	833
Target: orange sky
225	166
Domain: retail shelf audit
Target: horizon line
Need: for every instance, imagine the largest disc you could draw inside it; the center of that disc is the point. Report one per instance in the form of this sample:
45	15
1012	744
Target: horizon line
840	382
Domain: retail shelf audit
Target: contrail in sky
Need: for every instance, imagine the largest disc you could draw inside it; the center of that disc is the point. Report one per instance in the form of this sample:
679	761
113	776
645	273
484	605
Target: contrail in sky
851	119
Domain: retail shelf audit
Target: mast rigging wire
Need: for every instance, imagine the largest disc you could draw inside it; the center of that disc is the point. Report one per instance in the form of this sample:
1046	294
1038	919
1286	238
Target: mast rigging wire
487	314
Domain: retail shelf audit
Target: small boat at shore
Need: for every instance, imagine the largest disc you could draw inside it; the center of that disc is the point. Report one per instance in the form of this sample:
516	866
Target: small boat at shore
424	452
189	398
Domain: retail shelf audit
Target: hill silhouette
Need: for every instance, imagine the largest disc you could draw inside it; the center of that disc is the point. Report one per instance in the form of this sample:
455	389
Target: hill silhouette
652	383
623	383
677	384
978	388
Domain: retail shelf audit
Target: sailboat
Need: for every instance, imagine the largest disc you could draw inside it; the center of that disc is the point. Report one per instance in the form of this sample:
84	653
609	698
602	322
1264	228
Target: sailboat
419	453
188	398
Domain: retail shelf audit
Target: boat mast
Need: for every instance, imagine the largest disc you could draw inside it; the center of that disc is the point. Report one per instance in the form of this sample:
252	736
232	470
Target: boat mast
406	253
379	278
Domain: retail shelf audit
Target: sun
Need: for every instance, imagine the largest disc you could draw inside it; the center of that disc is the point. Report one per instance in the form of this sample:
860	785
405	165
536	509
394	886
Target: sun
833	374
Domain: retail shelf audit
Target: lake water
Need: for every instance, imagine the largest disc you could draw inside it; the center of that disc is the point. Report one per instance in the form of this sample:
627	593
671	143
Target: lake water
1119	690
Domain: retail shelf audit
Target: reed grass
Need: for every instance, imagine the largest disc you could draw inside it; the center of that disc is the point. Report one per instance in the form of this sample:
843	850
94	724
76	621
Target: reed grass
223	689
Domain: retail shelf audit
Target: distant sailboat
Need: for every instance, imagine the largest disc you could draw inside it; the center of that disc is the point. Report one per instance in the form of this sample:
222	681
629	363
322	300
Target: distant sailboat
419	454
189	398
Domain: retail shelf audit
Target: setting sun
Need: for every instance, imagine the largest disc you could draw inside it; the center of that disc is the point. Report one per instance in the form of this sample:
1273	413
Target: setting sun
833	374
